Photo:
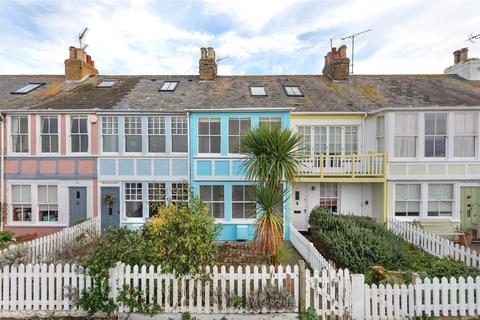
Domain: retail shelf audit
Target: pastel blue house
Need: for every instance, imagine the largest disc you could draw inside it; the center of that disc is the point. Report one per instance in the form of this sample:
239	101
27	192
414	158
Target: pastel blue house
216	167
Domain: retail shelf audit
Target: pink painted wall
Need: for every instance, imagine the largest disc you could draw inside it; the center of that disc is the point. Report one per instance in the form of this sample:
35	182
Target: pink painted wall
94	138
11	166
29	166
63	134
85	166
33	134
39	230
48	166
66	167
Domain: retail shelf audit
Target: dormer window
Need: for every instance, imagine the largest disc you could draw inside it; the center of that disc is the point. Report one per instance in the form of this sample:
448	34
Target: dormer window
257	91
169	86
106	84
28	88
293	91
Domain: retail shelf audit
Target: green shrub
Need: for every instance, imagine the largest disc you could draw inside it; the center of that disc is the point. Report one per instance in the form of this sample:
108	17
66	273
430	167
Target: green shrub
6	236
358	244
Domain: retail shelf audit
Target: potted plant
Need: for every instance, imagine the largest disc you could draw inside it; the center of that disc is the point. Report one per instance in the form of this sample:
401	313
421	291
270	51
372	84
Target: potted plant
465	236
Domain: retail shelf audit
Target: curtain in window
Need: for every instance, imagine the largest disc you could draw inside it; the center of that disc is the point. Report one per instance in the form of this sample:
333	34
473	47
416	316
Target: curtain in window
405	135
465	132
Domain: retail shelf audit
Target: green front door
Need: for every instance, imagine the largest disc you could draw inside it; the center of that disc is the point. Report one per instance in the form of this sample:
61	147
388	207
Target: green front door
470	209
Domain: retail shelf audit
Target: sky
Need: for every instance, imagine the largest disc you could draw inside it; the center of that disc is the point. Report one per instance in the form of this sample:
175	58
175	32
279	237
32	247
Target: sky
251	36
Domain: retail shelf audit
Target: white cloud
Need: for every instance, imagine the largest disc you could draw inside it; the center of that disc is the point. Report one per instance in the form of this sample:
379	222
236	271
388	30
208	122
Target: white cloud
131	37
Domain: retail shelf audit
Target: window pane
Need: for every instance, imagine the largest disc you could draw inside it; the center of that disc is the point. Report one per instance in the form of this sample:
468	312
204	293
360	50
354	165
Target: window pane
203	126
134	209
110	143
215	144
133	143
156	143
215	126
237	211
203	144
179	143
217	193
206	193
429	123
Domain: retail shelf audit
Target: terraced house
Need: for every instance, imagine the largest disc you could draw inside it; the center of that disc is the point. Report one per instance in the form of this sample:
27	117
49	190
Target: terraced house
83	144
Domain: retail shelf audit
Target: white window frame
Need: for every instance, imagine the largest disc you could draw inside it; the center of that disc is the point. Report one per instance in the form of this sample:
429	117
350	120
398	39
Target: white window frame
169	86
39	135
211	201
160	189
210	135
475	137
181	197
258	91
47	203
109	130
380	134
140	121
239	135
246	215
70	134
416	136
326	187
419	200
138	198
10	136
269	120
452	200
330	131
446	135
21	204
155	126
179	127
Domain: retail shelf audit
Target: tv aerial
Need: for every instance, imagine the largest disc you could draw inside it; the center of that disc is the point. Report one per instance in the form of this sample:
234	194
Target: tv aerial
353	36
473	37
81	38
222	58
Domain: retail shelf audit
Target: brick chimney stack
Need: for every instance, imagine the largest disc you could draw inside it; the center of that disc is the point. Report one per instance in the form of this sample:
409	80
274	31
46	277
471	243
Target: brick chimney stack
337	65
467	68
79	65
207	64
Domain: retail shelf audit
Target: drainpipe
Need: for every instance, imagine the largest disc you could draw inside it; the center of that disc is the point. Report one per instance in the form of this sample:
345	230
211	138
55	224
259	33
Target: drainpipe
363	151
2	164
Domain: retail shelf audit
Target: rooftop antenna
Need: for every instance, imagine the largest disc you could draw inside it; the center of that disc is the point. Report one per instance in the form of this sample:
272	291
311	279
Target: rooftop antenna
81	37
352	36
221	58
473	37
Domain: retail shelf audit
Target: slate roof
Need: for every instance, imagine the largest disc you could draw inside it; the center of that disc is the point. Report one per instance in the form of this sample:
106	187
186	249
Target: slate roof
361	93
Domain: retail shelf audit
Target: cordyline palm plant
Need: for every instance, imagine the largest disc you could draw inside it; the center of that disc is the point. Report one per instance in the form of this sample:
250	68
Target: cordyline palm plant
270	158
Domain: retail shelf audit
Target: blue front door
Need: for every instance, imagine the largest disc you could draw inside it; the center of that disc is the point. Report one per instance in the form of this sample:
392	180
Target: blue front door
111	208
78	204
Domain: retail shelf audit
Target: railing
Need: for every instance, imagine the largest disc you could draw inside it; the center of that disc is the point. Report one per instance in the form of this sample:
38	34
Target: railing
432	243
353	165
308	251
39	249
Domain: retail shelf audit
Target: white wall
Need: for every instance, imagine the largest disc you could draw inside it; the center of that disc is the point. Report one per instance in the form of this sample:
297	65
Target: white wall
352	198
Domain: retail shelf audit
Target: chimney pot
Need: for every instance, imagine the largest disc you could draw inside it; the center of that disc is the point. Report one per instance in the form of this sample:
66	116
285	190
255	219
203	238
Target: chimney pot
79	65
207	64
337	65
463	54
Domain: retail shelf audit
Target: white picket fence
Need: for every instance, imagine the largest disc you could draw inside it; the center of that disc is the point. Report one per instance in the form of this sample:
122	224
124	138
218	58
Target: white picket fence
432	243
39	249
431	297
308	251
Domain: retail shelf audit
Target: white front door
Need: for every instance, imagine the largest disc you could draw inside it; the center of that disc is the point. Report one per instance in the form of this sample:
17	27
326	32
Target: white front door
299	215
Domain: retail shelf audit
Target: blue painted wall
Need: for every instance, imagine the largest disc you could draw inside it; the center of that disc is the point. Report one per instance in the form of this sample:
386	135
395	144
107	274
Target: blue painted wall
225	169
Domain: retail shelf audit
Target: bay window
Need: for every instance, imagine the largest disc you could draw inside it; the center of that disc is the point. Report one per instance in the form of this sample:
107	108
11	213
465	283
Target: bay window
213	196
133	134
156	134
133	200
47	203
329	140
21	203
305	144
405	135
209	136
243	202
435	134
236	128
49	134
109	134
179	133
407	200
79	133
465	134
19	133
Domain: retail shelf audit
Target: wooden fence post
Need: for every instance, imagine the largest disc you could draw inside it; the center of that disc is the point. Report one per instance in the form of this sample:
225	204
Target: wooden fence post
358	296
302	286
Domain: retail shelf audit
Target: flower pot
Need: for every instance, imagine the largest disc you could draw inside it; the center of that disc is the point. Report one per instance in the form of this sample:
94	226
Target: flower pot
465	239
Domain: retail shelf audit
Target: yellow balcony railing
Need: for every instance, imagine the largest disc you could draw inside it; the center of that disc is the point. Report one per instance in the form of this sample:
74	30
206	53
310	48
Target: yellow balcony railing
352	165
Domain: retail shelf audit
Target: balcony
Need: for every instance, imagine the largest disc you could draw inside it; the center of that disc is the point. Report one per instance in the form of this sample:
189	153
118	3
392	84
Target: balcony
324	167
